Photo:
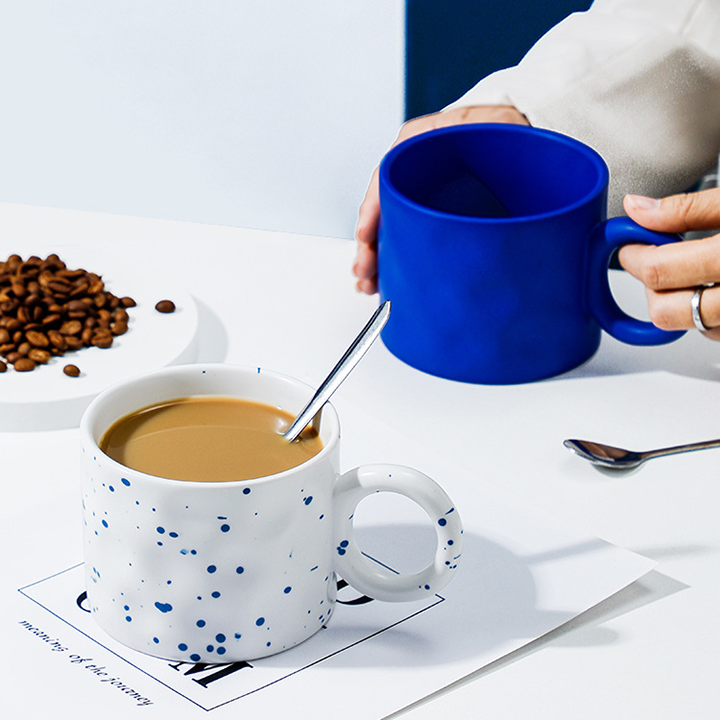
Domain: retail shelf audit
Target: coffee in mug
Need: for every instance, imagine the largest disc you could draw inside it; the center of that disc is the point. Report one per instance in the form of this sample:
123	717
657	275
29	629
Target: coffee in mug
208	439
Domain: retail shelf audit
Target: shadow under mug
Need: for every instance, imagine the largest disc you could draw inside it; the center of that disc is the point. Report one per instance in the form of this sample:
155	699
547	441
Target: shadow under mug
494	249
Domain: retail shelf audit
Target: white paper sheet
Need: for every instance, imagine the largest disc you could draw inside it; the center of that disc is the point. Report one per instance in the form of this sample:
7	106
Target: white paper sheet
521	575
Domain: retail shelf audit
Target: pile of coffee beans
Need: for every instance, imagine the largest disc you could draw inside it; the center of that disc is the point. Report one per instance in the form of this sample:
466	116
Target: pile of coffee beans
47	309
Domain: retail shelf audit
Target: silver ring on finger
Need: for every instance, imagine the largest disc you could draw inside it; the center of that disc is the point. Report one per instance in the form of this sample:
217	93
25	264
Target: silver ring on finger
695	307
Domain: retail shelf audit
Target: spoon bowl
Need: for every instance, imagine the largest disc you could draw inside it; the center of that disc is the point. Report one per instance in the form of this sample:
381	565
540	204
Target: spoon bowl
615	458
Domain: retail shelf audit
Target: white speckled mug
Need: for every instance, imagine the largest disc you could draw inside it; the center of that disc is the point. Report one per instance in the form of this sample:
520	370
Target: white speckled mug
231	571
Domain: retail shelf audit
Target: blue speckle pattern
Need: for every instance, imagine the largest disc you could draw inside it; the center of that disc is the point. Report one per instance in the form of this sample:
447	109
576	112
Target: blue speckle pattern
182	579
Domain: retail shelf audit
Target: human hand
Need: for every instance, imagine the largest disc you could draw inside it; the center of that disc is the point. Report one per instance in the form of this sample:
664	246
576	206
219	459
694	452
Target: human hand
672	273
365	267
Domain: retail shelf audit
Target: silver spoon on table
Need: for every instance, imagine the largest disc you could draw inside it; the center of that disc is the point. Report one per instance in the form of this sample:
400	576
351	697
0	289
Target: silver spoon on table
347	362
616	458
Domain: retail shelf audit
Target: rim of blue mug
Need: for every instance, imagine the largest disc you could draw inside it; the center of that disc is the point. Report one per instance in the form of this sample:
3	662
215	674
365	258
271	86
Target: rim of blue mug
87	437
406	145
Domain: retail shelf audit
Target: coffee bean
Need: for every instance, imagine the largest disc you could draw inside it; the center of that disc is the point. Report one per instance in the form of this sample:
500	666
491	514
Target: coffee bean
24	315
39	356
37	339
57	340
79	289
24	364
165	306
51	319
72	370
3	367
71	327
59	287
77	306
101	340
96	286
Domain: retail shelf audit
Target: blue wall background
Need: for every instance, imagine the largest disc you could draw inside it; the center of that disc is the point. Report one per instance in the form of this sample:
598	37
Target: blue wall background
452	44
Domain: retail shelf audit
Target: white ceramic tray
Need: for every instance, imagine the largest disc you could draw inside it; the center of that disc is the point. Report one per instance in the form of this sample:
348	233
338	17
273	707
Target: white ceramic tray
47	399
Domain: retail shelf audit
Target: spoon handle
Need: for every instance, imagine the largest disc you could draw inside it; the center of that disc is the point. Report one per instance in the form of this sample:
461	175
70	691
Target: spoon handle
347	362
705	445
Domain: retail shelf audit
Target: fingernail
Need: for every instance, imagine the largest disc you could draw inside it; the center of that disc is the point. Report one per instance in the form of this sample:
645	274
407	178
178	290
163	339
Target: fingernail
365	286
641	202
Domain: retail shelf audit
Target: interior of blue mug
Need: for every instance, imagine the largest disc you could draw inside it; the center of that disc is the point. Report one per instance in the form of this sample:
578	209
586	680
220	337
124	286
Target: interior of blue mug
495	171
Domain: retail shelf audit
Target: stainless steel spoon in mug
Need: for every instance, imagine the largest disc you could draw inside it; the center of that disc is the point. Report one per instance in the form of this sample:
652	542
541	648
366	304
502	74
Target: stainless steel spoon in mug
616	458
359	346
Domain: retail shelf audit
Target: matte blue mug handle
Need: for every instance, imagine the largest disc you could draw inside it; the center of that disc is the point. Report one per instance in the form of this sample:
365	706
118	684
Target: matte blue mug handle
605	239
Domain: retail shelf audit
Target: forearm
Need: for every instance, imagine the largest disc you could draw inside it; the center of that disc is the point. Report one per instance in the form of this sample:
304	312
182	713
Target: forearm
637	80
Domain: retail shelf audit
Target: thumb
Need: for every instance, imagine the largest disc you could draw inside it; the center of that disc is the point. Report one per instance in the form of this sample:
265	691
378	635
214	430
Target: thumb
676	213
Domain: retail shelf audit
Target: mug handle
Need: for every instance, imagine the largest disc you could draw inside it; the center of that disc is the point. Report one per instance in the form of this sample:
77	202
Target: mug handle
605	239
371	578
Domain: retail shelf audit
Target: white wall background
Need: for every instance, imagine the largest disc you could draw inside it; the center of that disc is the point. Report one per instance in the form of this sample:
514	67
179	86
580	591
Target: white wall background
264	113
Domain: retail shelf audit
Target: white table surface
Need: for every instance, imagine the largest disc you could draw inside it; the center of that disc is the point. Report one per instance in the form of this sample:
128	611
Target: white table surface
288	302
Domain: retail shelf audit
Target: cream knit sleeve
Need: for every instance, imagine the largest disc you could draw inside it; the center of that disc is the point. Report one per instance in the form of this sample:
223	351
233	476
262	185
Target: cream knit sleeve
638	80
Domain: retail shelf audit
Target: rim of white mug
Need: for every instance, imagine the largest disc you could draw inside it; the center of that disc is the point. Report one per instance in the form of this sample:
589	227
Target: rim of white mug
329	417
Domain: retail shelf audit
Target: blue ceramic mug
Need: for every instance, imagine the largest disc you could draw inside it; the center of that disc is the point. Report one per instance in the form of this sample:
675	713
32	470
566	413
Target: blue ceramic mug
494	249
